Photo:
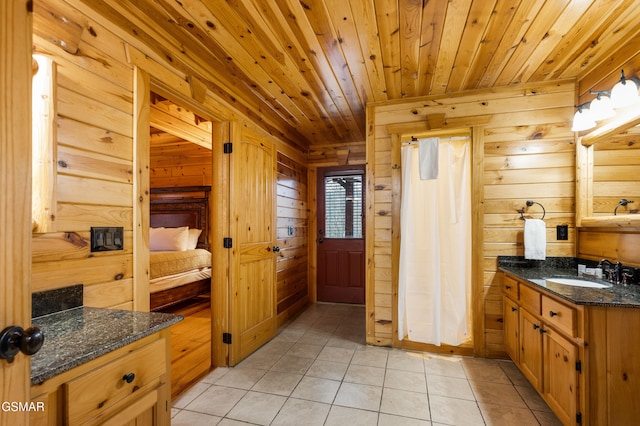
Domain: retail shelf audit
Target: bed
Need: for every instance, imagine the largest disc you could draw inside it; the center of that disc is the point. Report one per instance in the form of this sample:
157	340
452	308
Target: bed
179	272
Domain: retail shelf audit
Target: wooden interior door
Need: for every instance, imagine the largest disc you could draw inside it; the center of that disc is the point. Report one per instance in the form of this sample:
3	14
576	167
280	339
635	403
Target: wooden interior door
15	201
253	280
340	235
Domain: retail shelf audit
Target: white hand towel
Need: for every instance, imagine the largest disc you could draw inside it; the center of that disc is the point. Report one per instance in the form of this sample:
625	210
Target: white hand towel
535	239
428	152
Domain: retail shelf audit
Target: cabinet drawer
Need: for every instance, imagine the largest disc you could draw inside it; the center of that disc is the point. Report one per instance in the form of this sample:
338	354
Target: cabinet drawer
559	315
96	392
530	299
510	287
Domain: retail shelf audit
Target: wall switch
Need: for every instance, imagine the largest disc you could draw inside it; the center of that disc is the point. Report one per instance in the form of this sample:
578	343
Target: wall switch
562	232
107	238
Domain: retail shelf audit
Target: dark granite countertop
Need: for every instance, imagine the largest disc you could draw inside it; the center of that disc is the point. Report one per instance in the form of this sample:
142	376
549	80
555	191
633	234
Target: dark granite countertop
76	336
534	272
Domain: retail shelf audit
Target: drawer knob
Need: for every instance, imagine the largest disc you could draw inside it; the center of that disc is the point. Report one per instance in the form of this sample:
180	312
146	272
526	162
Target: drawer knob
129	377
513	309
508	287
552	314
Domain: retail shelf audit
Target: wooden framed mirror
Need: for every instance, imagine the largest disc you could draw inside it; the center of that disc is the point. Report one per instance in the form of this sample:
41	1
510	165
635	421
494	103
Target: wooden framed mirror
608	174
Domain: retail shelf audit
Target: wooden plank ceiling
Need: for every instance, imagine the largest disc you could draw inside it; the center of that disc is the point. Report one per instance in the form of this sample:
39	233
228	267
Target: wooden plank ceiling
307	68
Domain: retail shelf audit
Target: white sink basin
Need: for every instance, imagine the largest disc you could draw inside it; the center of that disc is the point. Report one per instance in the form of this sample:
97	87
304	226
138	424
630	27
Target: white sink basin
577	282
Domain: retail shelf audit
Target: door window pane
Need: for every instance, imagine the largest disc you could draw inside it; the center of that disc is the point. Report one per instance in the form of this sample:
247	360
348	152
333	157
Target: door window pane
343	206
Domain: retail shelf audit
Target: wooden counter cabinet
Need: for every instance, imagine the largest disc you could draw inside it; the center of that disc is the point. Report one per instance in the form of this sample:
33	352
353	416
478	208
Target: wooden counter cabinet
543	338
130	385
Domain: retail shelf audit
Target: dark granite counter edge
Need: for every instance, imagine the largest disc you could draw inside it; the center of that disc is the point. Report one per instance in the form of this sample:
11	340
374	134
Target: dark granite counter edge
615	297
48	372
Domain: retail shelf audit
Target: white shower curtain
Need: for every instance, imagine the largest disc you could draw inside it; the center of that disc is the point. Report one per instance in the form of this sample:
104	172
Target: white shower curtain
434	289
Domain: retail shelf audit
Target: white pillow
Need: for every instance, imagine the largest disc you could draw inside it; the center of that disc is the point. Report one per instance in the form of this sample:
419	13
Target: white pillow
194	234
168	239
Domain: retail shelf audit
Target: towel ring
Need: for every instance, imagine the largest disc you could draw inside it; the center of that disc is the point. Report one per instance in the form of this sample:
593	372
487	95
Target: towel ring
529	204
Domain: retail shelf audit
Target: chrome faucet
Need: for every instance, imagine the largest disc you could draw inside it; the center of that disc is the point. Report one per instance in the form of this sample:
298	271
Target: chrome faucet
612	271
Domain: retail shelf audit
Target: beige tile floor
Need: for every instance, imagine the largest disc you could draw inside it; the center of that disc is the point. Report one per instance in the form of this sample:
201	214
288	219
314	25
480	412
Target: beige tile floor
318	371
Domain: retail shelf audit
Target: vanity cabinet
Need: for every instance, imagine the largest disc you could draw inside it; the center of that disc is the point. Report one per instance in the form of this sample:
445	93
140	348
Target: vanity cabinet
546	337
130	385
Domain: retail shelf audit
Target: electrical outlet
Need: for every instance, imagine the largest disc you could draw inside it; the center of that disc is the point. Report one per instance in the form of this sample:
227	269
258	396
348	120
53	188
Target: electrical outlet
107	238
562	232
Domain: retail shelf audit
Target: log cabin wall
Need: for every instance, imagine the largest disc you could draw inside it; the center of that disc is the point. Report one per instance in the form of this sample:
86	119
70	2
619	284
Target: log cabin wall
94	170
183	164
292	237
523	149
96	118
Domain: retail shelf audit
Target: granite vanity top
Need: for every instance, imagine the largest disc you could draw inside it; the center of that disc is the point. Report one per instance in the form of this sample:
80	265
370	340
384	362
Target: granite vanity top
618	296
78	335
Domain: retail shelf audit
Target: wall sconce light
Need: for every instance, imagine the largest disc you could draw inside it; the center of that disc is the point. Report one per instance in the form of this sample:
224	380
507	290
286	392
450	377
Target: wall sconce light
583	119
601	107
625	92
622	95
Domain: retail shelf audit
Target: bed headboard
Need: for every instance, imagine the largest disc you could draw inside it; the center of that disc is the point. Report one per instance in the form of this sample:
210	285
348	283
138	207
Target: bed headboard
182	206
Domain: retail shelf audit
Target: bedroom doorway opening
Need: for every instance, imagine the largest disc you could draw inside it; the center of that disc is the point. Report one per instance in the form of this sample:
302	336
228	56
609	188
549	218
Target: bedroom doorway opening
180	179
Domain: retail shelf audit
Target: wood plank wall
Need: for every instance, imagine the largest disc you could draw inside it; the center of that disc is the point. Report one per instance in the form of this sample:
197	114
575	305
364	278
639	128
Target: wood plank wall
180	164
95	170
292	237
615	176
529	153
95	152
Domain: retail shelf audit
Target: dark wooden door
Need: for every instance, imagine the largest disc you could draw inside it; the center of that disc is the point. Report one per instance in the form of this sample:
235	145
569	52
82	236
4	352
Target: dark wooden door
340	235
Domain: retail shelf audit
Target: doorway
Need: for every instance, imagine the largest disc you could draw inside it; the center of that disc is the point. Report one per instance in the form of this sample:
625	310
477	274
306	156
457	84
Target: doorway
340	234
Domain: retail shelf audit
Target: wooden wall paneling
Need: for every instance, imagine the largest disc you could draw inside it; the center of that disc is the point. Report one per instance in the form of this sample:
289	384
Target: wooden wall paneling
525	135
312	244
56	246
77	134
181	164
370	270
88	271
477	239
44	155
15	186
95	169
141	190
394	224
610	243
292	237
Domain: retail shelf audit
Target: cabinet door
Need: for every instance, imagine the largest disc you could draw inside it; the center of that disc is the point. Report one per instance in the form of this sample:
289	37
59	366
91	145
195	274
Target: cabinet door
531	348
510	319
560	376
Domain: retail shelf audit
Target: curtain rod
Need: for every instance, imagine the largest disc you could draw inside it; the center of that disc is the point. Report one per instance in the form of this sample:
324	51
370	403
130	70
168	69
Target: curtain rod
414	140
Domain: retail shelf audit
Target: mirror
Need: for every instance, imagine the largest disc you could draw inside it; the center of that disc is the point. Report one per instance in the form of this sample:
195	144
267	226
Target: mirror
608	172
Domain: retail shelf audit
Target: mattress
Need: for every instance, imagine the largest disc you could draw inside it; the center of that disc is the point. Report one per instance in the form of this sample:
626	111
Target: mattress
167	263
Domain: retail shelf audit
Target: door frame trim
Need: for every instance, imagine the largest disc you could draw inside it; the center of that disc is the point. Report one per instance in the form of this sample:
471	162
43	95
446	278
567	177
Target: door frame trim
357	169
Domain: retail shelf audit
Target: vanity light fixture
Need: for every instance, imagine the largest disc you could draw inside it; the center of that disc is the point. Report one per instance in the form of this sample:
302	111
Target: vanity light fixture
583	119
625	92
601	107
622	95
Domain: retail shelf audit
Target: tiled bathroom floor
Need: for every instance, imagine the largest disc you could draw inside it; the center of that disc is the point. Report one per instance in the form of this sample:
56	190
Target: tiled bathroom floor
318	371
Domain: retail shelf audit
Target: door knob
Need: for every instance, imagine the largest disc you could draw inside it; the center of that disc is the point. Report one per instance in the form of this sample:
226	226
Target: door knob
14	339
321	240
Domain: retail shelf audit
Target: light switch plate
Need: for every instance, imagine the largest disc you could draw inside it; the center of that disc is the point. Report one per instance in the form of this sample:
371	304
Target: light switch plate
107	238
562	232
